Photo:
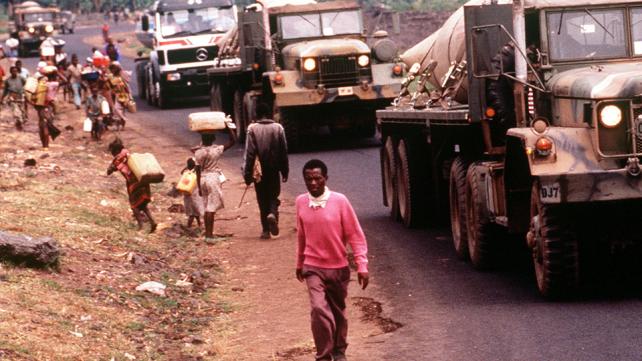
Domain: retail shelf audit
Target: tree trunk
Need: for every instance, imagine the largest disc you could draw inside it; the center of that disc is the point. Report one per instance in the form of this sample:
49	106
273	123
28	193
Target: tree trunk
33	252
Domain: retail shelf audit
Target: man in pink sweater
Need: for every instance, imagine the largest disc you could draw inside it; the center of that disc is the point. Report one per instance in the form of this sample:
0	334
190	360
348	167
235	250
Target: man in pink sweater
326	223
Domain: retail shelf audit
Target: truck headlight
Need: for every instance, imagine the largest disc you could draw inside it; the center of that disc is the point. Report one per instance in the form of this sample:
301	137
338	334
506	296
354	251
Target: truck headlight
611	116
309	64
363	60
32	30
49	28
173	76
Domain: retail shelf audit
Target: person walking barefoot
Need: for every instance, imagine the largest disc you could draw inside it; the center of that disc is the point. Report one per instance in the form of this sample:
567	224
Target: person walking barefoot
209	177
139	193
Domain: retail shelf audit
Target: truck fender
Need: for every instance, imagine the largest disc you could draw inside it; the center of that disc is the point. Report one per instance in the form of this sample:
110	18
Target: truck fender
291	81
572	153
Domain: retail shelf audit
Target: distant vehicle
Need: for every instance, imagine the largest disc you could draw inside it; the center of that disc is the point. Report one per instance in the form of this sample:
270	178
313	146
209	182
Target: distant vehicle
312	62
67	22
32	24
187	36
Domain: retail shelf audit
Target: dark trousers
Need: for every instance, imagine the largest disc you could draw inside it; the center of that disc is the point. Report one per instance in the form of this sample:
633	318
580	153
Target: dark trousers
328	289
267	195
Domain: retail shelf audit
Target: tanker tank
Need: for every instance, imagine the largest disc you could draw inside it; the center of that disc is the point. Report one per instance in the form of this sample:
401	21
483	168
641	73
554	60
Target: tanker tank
446	46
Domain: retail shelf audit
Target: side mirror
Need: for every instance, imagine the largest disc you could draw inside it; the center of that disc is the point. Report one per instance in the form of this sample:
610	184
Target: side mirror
144	20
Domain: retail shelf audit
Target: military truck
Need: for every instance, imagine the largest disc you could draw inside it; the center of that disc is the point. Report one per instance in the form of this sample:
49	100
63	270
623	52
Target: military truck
313	63
32	24
186	39
527	127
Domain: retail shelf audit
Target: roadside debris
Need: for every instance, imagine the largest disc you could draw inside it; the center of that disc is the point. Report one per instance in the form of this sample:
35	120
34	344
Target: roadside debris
152	287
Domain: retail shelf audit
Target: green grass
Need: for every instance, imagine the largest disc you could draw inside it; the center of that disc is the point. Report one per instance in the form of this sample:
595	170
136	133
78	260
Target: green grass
51	284
135	326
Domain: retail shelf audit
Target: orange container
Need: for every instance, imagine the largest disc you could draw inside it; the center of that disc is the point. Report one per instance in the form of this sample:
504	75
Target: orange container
187	183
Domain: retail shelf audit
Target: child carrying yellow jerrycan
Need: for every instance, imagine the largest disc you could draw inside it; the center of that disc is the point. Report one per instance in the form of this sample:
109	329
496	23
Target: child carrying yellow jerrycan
192	201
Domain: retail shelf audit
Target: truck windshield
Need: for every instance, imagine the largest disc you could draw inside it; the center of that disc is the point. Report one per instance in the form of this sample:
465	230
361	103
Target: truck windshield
636	30
38	17
586	34
323	24
199	21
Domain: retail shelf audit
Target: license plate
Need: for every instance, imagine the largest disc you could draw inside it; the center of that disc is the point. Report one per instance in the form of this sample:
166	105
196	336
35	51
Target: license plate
346	90
550	193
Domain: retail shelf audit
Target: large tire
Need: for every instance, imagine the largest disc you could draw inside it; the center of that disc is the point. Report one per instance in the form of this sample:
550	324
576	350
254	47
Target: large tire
290	126
162	100
388	177
457	197
410	187
555	249
150	87
482	234
140	81
240	118
216	98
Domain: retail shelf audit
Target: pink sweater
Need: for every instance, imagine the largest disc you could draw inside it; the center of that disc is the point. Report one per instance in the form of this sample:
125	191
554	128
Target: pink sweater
324	232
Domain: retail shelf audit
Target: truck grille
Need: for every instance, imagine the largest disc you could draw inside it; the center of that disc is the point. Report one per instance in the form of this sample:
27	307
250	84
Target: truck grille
192	55
638	136
339	71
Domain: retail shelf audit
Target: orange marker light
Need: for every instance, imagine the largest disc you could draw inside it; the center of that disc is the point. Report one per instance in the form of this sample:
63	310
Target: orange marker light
490	112
544	146
397	70
278	78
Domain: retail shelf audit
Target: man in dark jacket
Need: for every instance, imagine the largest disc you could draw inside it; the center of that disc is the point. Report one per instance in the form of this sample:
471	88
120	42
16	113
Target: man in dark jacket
266	143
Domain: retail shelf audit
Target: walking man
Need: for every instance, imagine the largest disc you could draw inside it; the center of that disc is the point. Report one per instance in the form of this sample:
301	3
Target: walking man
326	222
266	144
74	74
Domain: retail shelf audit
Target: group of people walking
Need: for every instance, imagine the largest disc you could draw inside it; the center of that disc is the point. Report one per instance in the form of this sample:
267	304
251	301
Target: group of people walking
100	79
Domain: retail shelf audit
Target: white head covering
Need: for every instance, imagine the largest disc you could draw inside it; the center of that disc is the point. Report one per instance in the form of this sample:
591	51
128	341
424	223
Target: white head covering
41	65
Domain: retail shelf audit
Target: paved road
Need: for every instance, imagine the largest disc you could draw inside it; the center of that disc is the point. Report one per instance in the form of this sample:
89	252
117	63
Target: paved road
449	311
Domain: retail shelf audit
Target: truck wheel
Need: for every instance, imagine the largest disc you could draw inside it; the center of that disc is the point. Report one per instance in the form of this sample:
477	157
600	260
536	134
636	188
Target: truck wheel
216	98
457	197
150	87
290	126
239	115
161	100
409	187
555	248
140	81
388	168
481	232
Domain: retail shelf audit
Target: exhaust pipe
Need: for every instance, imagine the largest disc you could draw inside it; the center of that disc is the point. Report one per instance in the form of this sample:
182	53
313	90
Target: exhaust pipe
521	69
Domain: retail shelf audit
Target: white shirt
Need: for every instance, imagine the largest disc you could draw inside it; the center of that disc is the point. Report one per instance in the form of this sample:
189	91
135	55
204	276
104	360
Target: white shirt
320	201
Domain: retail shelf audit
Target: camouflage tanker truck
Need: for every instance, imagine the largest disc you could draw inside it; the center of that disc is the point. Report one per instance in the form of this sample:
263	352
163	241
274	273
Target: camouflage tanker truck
524	118
312	62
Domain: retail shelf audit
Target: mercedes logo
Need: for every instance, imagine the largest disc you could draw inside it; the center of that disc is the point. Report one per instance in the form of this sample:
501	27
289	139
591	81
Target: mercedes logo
201	54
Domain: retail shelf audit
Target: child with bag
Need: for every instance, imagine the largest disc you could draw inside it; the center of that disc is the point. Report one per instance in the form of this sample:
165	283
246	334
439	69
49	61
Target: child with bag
192	201
139	192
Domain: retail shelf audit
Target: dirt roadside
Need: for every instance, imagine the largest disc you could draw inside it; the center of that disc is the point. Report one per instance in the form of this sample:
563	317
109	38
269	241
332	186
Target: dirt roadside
242	301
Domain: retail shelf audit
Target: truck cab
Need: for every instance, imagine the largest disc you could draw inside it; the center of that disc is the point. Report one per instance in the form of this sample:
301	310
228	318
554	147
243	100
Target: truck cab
33	24
311	59
186	38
